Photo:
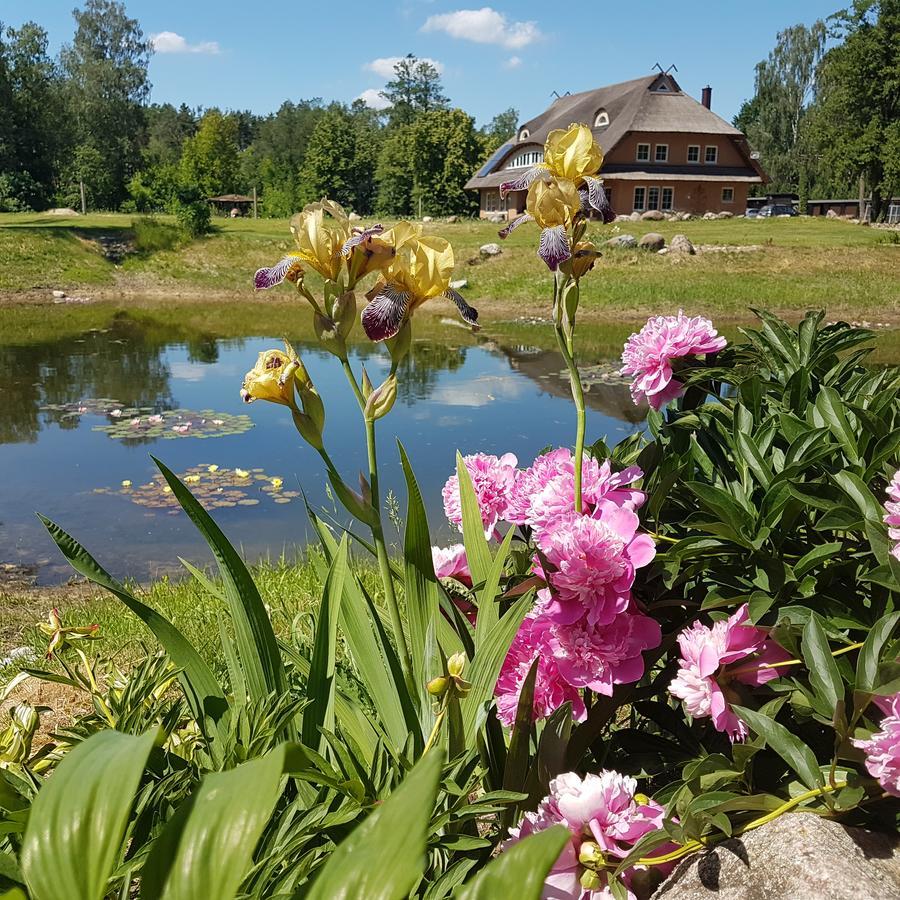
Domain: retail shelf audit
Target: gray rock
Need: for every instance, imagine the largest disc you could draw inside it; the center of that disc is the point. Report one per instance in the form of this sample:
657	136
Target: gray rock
652	215
680	243
652	240
427	218
459	285
354	217
635	217
663	252
685	217
709	216
725	214
496	218
623	218
59	294
622	242
490	249
452	220
831	214
798	856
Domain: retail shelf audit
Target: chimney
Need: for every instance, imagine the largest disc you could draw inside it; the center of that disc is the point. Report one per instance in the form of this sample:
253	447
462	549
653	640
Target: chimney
706	98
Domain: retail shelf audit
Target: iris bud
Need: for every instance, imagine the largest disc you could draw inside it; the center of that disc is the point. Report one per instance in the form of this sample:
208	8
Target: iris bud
437	687
381	400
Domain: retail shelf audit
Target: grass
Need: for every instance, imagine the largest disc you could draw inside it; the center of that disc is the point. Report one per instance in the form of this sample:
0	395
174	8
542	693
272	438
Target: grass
801	263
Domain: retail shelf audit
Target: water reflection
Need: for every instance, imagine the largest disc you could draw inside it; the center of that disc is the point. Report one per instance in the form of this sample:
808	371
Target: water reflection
493	392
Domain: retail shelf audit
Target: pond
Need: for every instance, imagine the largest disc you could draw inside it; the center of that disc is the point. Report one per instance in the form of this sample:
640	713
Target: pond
80	415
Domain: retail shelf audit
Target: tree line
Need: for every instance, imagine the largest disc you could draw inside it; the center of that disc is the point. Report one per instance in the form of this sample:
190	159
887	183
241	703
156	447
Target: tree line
825	115
83	120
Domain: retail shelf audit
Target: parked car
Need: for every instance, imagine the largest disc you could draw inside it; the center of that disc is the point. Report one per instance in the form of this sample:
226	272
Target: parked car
751	213
776	209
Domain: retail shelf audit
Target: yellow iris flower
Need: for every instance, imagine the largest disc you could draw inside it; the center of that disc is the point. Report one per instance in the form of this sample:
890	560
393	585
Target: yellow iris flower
553	203
272	377
573	153
321	230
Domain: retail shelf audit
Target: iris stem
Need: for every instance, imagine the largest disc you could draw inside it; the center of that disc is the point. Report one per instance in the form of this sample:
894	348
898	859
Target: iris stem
384	565
354	384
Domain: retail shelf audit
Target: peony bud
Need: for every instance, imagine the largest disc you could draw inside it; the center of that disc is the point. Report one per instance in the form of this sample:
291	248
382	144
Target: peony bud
590	880
381	400
591	855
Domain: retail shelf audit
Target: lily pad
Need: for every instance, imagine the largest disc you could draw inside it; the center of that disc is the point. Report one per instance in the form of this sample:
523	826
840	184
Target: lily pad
172	423
215	487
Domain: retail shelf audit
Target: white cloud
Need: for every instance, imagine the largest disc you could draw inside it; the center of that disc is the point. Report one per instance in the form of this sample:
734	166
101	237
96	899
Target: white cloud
513	62
484	26
170	42
384	65
373	99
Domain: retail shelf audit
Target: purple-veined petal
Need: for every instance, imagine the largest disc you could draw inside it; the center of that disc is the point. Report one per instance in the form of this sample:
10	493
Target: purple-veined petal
519	220
469	313
524	180
593	197
554	246
273	275
382	318
360	236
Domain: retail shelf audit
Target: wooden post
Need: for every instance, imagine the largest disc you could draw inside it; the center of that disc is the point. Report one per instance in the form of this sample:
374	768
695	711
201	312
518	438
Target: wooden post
83	203
254	202
861	215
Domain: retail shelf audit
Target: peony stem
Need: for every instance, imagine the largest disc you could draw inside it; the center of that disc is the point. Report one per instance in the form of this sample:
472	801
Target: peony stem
790	662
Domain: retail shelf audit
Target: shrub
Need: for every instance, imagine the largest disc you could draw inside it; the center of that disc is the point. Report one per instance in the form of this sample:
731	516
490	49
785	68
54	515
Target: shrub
193	212
151	235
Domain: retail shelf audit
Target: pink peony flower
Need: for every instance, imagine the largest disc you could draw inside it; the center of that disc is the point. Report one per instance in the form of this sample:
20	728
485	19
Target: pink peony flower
451	562
550	689
606	818
594	559
706	668
600	656
882	749
892	519
494	479
650	353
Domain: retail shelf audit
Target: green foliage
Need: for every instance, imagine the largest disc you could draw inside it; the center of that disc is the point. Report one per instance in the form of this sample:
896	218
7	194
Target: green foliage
192	210
209	159
151	235
415	89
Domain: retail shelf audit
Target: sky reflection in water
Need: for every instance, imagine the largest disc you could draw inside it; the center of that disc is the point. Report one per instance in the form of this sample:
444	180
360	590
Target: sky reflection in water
486	393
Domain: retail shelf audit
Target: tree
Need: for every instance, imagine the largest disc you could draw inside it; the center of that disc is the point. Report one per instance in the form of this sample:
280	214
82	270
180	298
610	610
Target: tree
209	159
857	124
785	89
106	65
394	174
415	89
340	158
167	130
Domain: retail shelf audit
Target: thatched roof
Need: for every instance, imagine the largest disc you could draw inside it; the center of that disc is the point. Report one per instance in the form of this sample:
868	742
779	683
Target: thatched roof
230	198
648	104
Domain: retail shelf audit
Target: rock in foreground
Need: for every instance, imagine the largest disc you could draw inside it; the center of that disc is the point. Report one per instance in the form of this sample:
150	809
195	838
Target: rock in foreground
799	856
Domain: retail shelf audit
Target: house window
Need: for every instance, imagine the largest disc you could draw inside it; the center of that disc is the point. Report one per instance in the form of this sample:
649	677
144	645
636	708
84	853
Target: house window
643	152
693	153
653	198
728	195
491	201
529	158
601	120
712	153
662	152
639	197
524	134
668	195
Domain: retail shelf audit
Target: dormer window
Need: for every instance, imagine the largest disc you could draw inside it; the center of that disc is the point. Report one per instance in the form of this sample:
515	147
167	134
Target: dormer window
524	134
601	120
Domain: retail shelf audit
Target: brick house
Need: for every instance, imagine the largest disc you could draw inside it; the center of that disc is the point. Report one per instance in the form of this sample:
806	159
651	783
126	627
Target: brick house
663	150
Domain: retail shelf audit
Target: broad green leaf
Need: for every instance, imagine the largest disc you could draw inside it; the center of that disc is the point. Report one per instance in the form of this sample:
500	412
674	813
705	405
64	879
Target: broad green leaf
255	642
422	595
77	822
858	491
383	857
814	557
831	408
515	772
824	675
201	688
757	464
207	850
870	653
483	670
488	608
788	746
521	870
477	552
723	505
320	682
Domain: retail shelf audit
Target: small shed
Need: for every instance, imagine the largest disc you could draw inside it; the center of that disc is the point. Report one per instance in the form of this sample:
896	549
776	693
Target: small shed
228	203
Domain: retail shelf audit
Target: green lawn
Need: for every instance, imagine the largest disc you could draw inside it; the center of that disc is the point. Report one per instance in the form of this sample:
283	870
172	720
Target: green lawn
801	263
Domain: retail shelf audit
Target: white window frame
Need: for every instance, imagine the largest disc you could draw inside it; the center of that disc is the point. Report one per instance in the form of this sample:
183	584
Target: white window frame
693	147
601	118
662	199
526	159
492	200
656	150
731	198
524	134
637	154
650	189
715	159
643	190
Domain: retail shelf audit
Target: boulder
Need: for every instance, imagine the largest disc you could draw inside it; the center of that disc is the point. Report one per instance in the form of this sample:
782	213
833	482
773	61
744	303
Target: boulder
709	216
59	295
497	218
622	242
798	856
354	217
427	218
680	243
459	285
490	249
831	214
652	215
452	220
663	252
623	218
725	214
63	211
634	217
652	240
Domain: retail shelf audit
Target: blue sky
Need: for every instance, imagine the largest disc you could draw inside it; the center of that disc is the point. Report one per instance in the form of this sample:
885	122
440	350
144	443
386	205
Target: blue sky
255	55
